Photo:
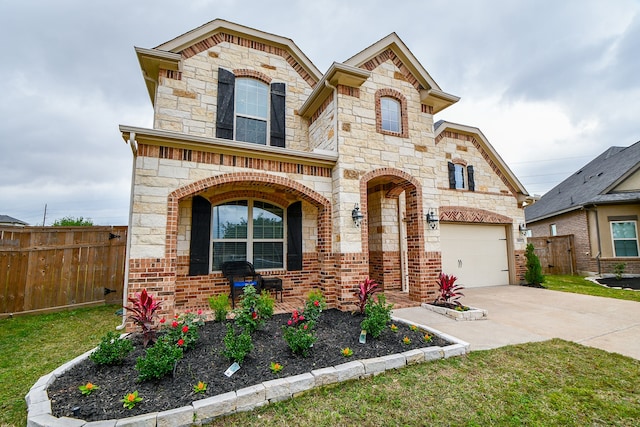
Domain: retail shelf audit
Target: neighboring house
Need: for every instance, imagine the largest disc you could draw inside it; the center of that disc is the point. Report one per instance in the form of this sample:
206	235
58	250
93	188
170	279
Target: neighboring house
8	220
255	154
599	205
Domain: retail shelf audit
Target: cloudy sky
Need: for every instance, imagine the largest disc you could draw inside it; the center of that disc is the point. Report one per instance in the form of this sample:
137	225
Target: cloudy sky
550	83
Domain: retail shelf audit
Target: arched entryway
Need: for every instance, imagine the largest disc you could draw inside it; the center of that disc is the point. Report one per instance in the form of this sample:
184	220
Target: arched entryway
394	236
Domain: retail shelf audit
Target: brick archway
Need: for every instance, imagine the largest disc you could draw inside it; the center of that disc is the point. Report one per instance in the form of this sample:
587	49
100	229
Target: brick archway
394	182
284	185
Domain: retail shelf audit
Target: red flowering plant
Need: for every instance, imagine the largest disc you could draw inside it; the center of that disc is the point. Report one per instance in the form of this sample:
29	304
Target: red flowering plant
314	305
449	292
183	329
299	333
255	311
143	310
365	291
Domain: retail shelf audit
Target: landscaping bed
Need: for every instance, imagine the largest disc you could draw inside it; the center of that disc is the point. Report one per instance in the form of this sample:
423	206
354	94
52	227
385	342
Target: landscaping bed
624	283
336	330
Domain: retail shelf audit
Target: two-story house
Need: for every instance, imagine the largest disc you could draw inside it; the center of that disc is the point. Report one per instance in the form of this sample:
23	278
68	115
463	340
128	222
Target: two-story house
319	179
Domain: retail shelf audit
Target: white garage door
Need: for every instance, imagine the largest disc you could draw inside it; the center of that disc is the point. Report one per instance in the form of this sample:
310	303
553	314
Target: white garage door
475	254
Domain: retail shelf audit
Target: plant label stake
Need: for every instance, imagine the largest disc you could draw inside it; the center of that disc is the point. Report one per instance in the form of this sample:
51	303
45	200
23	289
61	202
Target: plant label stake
363	336
232	369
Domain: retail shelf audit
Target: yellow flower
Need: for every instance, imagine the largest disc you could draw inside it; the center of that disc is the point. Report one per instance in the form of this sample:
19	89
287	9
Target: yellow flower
406	340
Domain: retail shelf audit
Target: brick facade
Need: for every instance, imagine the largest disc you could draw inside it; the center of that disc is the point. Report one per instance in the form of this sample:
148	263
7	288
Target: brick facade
336	156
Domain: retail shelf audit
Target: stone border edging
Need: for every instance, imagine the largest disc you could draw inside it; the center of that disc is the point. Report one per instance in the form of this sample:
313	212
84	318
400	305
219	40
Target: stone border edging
245	399
472	314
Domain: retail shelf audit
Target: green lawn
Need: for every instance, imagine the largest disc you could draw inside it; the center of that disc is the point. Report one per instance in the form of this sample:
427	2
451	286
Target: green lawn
552	383
580	285
32	346
548	383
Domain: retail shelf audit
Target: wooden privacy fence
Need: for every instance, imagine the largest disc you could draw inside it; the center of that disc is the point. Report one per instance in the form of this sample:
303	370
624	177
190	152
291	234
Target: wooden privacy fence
556	254
45	268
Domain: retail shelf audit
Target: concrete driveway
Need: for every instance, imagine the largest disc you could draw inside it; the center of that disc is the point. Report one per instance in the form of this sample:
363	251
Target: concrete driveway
519	314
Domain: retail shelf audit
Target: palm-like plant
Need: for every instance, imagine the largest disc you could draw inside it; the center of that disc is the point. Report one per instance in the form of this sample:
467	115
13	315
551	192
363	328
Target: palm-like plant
364	292
449	291
143	309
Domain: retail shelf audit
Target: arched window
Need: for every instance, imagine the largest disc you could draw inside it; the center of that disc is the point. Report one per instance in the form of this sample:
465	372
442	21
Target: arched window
461	176
248	230
390	114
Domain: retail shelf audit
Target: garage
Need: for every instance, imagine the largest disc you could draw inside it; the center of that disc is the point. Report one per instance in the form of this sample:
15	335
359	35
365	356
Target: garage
476	254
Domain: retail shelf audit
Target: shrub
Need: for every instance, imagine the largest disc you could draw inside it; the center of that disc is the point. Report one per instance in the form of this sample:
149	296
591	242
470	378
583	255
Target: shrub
299	334
314	305
144	308
365	292
533	275
377	316
236	347
449	291
159	360
183	330
618	270
112	350
255	310
220	306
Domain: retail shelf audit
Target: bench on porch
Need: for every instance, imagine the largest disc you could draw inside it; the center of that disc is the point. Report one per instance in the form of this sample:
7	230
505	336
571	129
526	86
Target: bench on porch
242	273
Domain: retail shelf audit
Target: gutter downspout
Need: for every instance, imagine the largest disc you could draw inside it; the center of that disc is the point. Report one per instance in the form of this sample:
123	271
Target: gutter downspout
133	144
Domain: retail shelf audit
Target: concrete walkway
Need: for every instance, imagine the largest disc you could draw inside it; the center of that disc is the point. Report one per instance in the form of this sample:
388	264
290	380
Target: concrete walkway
519	314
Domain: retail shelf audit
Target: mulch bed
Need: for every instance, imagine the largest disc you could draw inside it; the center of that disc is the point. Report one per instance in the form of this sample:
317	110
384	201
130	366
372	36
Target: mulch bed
335	331
625	282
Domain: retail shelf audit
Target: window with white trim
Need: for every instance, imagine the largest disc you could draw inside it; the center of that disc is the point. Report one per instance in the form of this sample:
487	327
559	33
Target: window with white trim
252	106
390	114
625	238
553	229
260	241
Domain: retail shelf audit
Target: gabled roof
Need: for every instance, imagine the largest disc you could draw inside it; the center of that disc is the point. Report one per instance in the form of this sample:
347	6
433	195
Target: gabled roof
357	69
488	152
592	184
6	219
430	92
169	55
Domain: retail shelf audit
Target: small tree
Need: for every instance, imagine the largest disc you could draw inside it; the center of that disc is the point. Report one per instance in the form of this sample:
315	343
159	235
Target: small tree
533	275
69	221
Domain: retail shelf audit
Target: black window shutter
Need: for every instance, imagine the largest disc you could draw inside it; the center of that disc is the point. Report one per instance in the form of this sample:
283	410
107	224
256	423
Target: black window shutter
294	237
452	175
200	236
226	90
277	114
472	184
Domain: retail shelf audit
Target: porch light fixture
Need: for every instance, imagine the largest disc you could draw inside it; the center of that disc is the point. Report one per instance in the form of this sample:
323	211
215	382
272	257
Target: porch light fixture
523	229
356	215
432	219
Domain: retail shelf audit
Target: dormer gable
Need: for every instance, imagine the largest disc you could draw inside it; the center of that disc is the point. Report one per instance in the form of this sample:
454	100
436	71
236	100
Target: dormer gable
170	55
393	48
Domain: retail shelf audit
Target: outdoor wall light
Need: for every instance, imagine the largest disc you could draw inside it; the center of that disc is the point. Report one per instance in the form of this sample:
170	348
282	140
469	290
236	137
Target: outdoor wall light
356	215
432	219
523	229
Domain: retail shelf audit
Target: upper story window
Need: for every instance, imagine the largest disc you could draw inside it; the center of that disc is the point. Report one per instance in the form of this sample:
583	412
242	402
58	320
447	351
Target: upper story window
625	238
553	229
252	104
391	113
461	176
250	108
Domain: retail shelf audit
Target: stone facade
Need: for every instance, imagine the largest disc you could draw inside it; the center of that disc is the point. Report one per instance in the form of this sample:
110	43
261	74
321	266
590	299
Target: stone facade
336	155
